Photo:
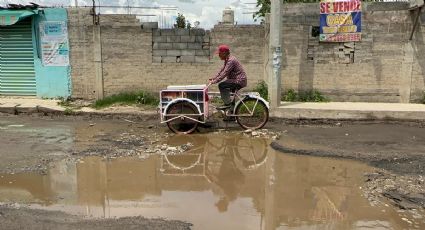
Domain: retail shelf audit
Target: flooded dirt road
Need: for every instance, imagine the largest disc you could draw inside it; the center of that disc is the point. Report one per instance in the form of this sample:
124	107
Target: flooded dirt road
114	174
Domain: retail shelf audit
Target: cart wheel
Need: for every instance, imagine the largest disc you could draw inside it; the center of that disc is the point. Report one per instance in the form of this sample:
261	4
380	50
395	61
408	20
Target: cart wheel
259	117
182	125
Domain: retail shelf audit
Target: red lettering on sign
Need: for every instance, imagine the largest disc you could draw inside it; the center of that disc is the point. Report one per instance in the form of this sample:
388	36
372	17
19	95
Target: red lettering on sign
340	7
323	8
335	7
345	6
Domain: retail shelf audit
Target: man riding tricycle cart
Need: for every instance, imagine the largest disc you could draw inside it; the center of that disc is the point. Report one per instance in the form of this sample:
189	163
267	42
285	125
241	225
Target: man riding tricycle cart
184	107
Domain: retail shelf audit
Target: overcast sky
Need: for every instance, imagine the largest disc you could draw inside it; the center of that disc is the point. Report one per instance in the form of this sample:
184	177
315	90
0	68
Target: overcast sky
207	12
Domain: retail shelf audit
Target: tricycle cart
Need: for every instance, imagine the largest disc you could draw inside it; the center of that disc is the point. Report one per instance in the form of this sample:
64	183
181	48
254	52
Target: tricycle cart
184	107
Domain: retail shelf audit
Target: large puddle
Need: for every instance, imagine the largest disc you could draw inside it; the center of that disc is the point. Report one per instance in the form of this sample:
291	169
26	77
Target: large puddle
222	182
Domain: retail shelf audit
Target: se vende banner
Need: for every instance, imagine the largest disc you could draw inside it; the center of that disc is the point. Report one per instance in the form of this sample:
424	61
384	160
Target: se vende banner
340	20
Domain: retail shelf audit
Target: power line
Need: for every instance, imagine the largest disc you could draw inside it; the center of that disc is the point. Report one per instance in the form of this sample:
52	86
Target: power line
141	7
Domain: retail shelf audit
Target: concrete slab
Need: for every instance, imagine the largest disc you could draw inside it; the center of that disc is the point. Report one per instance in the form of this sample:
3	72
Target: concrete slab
28	105
349	110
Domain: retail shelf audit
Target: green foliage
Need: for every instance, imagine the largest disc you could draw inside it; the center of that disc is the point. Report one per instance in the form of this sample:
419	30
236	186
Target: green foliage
265	6
423	98
188	25
127	98
313	96
216	100
307	96
65	102
251	105
68	111
262	89
180	21
290	95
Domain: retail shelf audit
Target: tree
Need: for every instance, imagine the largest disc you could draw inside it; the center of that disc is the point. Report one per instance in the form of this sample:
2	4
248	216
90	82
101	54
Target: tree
180	21
188	25
265	6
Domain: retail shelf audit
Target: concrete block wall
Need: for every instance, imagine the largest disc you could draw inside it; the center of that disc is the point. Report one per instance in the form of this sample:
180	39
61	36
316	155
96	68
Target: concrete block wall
417	91
181	46
119	20
383	67
125	58
375	69
80	32
130	60
247	41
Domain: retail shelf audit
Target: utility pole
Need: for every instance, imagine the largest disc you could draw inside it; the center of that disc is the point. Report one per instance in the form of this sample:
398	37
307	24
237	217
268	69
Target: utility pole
97	52
275	54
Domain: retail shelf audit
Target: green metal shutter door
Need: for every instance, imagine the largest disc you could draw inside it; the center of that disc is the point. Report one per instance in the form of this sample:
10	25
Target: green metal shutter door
17	75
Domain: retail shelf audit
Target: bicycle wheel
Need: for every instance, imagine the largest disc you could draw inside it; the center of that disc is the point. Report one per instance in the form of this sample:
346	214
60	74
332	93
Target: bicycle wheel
259	116
251	153
180	124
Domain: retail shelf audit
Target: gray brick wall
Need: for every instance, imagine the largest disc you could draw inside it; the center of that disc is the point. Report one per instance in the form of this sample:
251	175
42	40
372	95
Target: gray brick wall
371	70
180	46
418	69
380	68
80	32
131	61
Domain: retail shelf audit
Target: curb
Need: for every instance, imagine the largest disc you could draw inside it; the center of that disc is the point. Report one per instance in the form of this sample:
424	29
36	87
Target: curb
15	110
336	114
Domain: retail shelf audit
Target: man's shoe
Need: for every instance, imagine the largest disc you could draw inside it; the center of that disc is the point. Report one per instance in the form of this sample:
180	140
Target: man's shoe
223	107
229	119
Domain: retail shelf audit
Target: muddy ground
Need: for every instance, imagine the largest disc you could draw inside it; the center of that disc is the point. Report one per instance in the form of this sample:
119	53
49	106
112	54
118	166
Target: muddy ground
12	217
397	149
50	141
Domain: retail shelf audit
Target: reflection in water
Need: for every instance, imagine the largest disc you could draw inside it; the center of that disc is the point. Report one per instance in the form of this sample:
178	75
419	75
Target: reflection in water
220	160
25	187
227	182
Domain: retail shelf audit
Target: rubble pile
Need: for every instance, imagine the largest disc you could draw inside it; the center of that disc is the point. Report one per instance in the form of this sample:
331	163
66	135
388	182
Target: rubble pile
262	133
407	192
164	149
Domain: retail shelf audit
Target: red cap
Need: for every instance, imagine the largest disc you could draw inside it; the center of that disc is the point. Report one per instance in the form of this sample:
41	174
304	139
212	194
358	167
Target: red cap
222	49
